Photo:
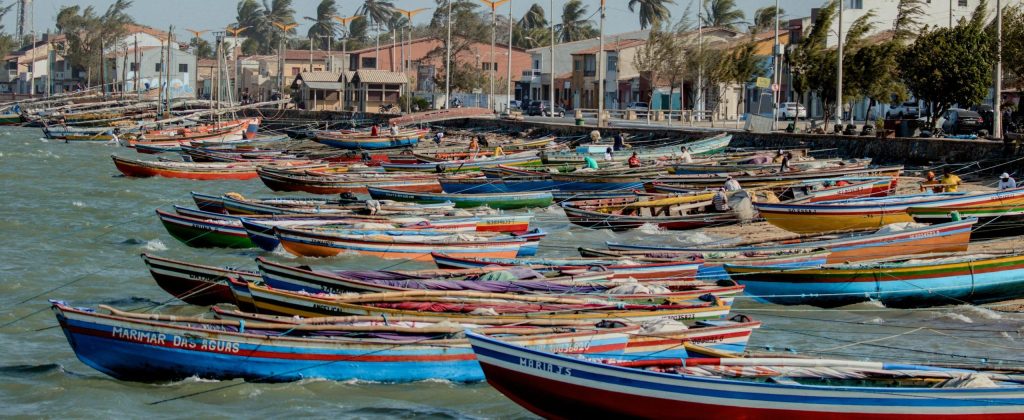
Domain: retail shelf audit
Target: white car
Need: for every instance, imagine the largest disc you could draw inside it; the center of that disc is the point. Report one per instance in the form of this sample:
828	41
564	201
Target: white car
792	110
637	106
906	109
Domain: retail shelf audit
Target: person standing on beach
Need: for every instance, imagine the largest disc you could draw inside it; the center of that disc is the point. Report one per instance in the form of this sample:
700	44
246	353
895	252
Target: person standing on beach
731	184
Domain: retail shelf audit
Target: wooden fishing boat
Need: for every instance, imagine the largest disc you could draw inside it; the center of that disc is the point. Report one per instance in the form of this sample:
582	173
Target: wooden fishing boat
236	204
873	213
556	386
285	180
261	231
153	347
704	181
11	118
712	270
222	131
312	243
903	283
708	146
734	167
672	213
460	305
620	269
199	171
363	140
441	153
496	200
205	233
452	166
485	279
892	240
194	283
720	338
993	221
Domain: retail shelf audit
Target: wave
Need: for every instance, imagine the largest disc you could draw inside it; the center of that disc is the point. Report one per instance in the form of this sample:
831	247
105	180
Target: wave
155	245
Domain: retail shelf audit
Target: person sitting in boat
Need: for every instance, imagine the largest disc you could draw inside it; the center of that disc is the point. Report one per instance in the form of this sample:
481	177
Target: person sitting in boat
474	148
779	156
619	143
591	163
634	161
721	200
439	168
608	154
498	151
686	157
1006	182
595	136
931	182
394	129
784	166
438	137
731	184
482	140
950	182
374	130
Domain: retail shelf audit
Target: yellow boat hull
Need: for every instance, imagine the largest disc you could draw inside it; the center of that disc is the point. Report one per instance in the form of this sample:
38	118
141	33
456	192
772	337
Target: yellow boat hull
824	223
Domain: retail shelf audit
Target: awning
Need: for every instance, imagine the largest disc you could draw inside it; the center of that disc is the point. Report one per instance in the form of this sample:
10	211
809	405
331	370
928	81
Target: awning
324	85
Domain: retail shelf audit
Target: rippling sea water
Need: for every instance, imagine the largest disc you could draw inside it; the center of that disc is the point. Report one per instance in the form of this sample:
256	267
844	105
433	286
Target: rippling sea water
73	230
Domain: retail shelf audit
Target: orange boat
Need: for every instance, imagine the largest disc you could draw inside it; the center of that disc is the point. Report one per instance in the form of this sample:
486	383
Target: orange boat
222	131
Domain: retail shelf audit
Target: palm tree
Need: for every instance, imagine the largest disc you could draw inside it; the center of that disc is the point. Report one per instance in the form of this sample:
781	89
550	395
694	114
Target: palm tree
323	24
651	11
379	11
534	18
722	13
277	11
575	25
764	18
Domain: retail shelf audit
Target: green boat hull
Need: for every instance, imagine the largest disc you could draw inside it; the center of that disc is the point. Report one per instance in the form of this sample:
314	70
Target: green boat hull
206	238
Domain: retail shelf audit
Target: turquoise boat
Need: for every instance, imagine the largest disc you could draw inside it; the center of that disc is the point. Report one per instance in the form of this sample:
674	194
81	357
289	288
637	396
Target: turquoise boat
516	200
702	147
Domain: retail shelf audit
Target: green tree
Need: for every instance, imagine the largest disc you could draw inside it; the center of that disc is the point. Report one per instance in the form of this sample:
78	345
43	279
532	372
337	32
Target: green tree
722	13
908	19
201	48
534	18
813	65
651	11
662	58
259	18
739	65
764	18
1013	45
575	24
7	41
87	33
324	26
948	66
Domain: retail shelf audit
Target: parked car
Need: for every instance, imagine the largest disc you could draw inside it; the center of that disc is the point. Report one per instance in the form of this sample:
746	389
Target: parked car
904	110
962	121
542	108
987	114
792	110
638	106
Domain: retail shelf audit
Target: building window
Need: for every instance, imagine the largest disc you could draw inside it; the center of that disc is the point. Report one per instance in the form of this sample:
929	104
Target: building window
183	68
536	64
962	3
295	71
576	64
133	67
613	63
589	66
856	4
489	66
158	67
368	62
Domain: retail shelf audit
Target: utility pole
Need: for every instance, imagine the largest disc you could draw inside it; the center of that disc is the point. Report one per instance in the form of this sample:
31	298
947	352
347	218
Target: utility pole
508	67
997	94
600	73
700	71
448	62
406	58
281	52
950	13
551	61
839	69
775	72
494	31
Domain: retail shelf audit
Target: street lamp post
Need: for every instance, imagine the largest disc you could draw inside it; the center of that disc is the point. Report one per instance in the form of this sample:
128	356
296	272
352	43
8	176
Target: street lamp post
551	63
280	51
494	31
448	61
839	69
508	67
405	59
344	21
776	66
997	94
600	73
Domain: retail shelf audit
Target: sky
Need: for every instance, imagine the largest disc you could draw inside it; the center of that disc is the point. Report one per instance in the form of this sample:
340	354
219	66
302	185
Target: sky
216	14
